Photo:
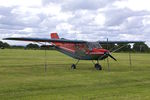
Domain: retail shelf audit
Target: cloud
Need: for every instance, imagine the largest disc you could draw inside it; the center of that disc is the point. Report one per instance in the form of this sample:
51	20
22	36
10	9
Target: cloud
73	5
27	3
135	5
81	4
72	19
117	16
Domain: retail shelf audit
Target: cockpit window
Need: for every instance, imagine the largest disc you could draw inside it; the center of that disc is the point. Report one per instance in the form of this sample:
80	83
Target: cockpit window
92	45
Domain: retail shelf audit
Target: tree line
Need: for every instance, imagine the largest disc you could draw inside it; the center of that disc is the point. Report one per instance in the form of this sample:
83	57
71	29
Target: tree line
123	47
4	45
137	47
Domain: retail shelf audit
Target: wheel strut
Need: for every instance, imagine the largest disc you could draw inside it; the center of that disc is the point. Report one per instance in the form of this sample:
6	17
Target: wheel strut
73	66
97	65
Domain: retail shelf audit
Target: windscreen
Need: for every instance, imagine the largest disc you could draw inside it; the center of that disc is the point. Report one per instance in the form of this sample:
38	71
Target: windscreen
92	45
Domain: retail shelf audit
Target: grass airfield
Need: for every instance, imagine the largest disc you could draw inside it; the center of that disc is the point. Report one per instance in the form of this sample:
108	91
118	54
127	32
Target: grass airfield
23	77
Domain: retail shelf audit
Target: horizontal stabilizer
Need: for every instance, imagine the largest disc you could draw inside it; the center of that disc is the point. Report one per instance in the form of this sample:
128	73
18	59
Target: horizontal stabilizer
54	36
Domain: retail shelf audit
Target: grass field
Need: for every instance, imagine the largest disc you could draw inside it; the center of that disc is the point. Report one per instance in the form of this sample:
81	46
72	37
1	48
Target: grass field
22	77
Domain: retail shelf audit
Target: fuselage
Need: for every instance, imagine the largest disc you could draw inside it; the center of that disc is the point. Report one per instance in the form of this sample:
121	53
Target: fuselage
86	51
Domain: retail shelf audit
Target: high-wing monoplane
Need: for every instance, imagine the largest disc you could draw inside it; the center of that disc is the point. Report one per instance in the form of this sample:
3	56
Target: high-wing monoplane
78	49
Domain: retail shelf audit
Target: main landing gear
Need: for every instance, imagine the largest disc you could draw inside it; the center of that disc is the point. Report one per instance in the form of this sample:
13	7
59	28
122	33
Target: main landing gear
97	65
73	66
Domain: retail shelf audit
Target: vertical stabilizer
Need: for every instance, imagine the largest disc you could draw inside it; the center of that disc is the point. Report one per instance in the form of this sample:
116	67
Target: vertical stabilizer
54	36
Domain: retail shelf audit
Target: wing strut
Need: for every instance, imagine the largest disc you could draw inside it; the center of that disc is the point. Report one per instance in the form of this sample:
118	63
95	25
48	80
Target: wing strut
130	60
108	58
45	68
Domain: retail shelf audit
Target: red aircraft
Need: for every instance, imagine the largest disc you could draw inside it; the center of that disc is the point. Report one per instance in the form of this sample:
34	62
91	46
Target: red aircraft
78	49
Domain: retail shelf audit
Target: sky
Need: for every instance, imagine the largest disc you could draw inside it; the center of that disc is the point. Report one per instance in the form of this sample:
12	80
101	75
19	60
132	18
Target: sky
90	20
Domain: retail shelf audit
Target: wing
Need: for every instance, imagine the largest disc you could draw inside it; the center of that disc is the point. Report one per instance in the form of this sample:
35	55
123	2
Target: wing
66	41
119	42
45	40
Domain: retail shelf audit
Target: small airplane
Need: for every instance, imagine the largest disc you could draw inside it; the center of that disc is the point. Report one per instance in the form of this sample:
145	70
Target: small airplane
78	49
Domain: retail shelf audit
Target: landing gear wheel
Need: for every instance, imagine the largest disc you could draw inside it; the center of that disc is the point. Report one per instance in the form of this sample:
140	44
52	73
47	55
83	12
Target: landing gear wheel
73	66
98	67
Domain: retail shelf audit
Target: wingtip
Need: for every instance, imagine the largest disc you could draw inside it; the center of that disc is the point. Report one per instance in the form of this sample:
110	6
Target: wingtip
7	39
4	39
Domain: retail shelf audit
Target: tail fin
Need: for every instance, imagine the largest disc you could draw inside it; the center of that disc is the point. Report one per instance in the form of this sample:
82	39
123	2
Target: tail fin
54	36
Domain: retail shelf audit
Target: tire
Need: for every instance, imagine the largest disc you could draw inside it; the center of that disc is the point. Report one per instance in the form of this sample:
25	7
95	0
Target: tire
98	67
73	66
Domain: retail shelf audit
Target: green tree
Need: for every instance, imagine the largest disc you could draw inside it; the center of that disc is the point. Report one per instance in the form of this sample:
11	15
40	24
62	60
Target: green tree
140	47
32	46
109	46
1	44
17	47
47	47
125	47
4	45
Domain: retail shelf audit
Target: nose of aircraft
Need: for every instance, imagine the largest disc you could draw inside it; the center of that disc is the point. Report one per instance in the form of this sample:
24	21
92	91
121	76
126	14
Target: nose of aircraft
107	53
100	50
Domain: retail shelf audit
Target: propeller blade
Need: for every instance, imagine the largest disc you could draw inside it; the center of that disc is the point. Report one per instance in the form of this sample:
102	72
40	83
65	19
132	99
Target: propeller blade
107	55
112	57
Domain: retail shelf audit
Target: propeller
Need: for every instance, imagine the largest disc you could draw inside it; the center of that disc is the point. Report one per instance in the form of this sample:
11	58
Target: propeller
107	54
112	57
